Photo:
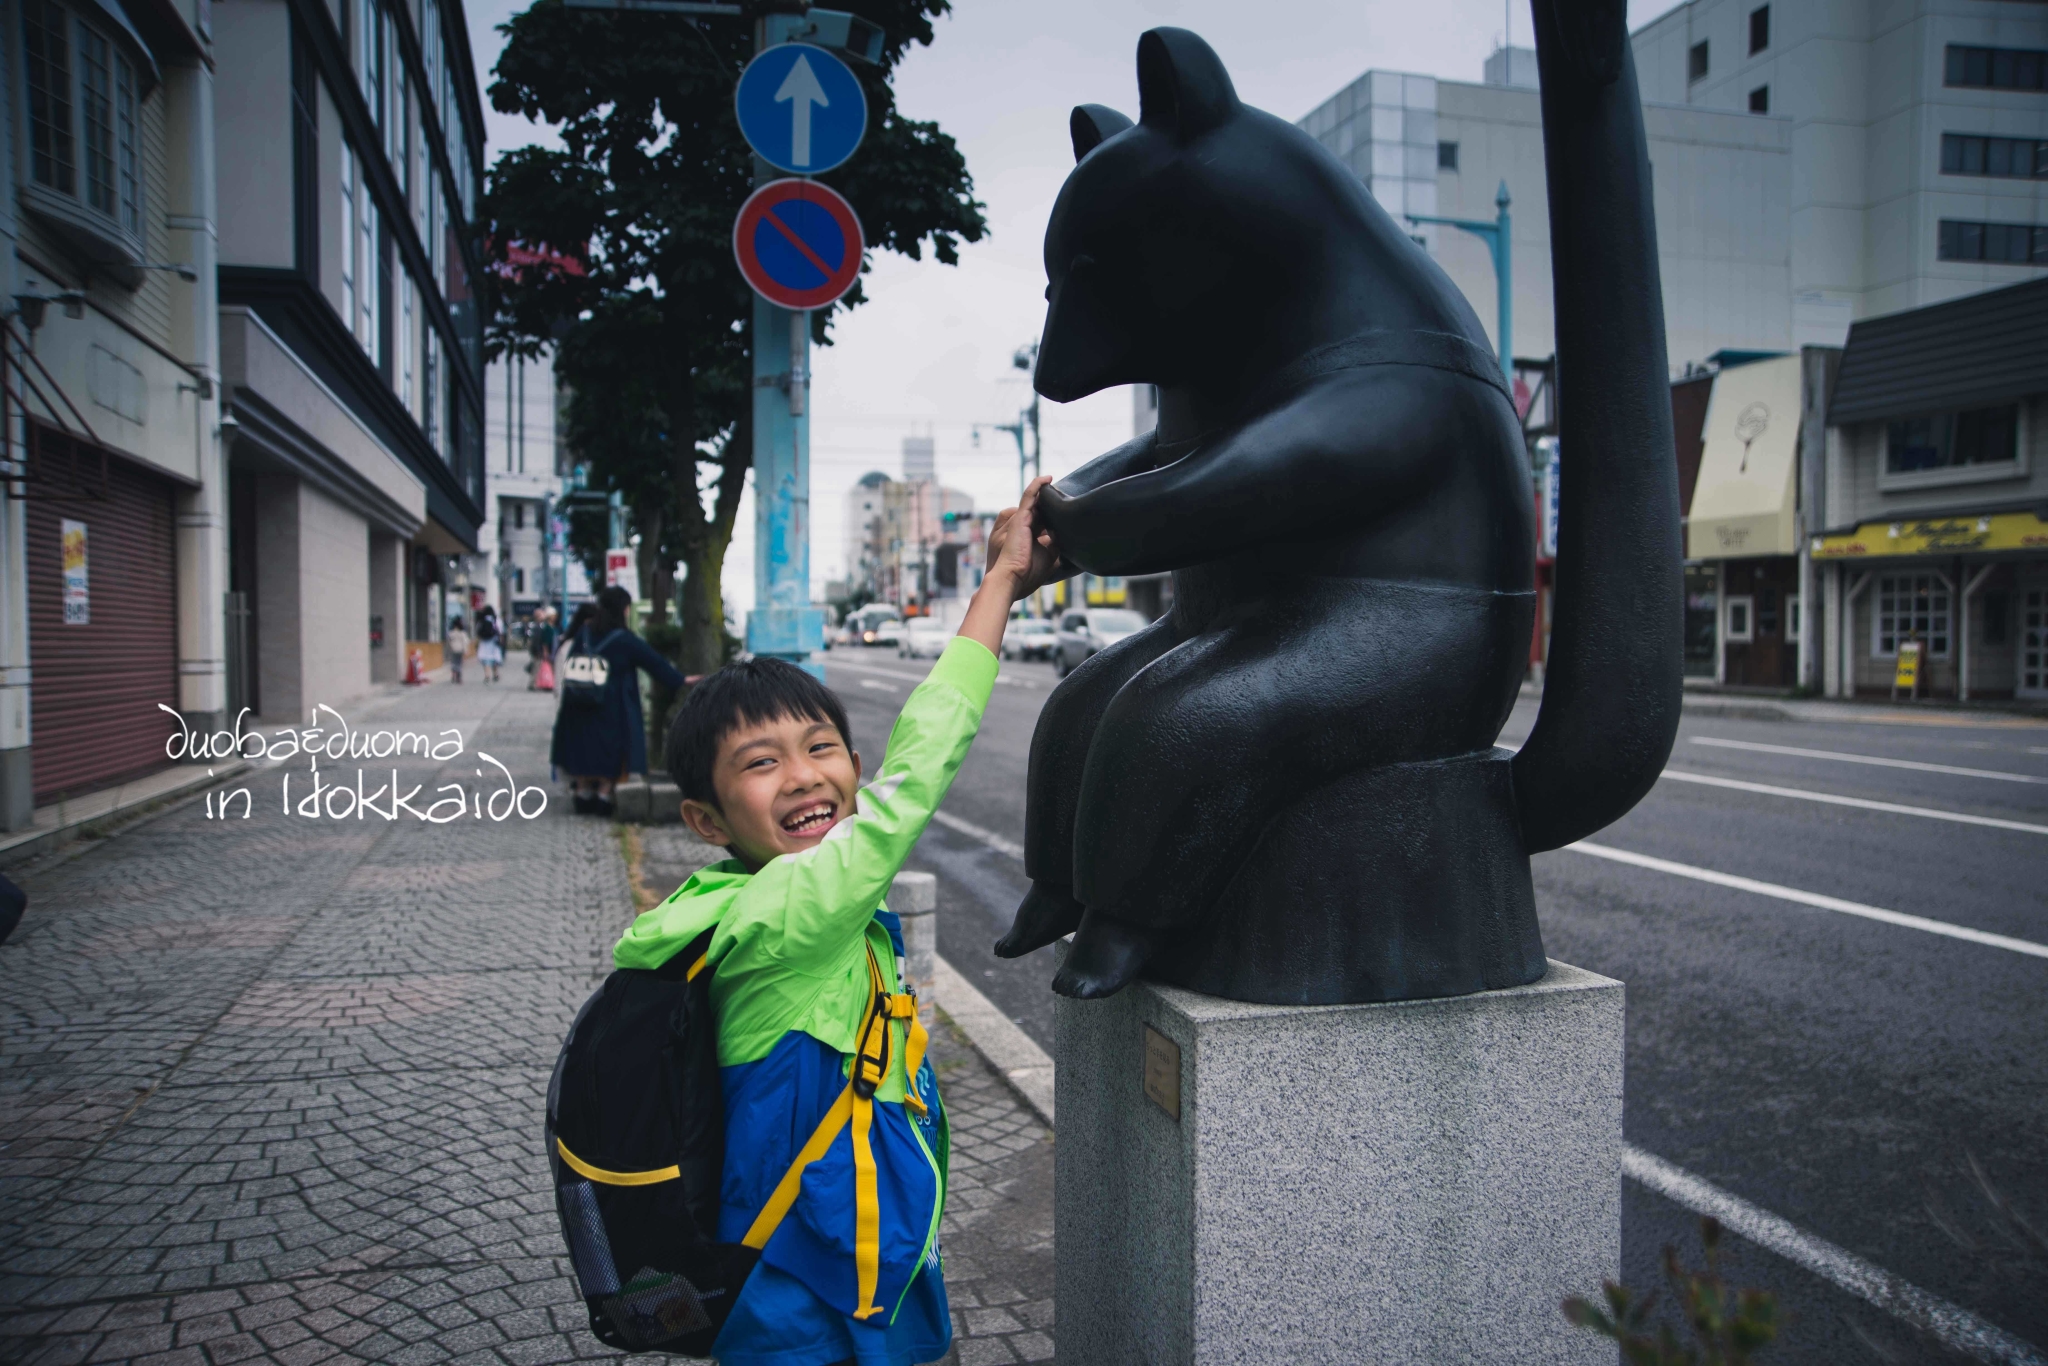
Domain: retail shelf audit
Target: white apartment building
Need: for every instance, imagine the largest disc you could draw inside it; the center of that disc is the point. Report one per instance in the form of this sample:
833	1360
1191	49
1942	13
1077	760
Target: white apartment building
1814	162
522	480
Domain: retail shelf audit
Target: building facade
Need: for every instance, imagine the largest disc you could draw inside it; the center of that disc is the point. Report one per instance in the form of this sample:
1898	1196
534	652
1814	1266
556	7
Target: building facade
242	359
1928	497
523	481
910	542
351	337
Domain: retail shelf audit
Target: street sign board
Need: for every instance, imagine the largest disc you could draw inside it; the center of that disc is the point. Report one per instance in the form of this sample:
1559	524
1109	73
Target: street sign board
798	243
800	108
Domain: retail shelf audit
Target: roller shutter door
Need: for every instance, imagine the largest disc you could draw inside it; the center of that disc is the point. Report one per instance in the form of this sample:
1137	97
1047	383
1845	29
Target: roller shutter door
95	686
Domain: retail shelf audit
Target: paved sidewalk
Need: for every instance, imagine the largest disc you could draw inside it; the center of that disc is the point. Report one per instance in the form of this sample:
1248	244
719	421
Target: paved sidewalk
270	1089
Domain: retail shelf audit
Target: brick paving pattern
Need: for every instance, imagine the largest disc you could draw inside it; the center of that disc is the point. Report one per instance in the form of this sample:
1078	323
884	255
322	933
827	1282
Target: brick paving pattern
270	1089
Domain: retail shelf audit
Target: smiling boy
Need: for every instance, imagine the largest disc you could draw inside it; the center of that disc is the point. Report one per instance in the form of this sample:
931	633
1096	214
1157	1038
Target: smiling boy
836	1143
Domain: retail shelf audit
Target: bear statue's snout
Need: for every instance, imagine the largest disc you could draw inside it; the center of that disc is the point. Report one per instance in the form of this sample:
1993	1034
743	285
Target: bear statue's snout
1085	347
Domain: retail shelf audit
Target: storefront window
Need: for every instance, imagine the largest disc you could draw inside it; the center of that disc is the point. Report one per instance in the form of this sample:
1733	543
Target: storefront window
1911	607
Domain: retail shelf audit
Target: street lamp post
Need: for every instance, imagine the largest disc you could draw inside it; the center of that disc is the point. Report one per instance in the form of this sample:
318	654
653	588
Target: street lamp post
1495	235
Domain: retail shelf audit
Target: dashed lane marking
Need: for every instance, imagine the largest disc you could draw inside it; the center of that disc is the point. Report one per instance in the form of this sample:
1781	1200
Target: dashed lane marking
1842	757
1814	899
1956	1328
975	832
1862	803
879	686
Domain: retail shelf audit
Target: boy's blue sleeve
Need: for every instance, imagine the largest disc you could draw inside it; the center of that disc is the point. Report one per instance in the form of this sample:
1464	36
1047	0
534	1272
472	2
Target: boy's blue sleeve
808	911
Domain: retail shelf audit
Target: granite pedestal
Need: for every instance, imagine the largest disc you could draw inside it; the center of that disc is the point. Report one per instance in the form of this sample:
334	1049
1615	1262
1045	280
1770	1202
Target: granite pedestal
1418	1181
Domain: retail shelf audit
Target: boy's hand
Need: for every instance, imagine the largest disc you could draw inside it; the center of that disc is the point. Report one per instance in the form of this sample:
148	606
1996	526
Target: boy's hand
1019	551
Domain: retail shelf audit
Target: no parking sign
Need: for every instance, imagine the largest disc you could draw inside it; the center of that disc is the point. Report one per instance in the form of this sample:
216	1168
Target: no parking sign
798	243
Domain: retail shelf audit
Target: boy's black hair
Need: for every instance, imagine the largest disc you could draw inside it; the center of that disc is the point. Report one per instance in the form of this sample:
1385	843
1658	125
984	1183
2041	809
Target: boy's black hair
743	694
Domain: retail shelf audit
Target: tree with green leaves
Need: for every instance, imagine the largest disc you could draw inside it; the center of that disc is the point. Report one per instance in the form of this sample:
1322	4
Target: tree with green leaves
616	251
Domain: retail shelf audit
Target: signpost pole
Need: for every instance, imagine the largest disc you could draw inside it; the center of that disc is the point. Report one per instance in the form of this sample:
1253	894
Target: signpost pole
782	624
1498	241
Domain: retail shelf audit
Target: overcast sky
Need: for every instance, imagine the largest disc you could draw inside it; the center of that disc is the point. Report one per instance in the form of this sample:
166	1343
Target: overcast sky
930	352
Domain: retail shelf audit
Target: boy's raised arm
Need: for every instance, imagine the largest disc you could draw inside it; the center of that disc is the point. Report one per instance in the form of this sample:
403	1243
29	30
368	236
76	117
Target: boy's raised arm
805	908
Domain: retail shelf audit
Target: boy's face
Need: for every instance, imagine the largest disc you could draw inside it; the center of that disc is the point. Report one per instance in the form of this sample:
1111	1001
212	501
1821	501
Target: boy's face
782	785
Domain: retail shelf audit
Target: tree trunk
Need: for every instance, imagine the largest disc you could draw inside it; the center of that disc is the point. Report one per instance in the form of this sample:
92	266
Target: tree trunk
655	578
705	541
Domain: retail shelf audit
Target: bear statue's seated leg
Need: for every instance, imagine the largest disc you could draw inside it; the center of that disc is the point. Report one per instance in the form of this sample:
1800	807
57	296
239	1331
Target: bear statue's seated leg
1059	753
1197	752
1107	954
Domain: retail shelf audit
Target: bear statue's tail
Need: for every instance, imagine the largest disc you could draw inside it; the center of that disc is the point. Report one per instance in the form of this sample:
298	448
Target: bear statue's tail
1611	698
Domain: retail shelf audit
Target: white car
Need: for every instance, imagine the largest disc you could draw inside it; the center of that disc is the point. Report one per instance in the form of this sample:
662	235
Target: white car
924	637
1083	633
1030	638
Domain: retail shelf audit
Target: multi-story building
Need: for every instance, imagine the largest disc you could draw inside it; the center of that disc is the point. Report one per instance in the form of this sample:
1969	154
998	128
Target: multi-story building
1813	163
905	538
523	481
351	339
112	553
1926	501
242	415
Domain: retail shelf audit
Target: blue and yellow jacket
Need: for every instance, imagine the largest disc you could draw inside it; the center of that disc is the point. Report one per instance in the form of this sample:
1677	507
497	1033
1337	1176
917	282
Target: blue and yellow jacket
794	957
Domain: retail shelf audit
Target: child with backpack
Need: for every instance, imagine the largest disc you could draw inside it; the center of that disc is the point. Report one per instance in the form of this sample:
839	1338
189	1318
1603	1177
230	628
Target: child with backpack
835	1140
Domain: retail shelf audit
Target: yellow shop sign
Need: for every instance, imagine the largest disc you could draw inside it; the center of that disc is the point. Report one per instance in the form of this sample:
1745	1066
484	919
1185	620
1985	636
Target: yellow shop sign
1935	536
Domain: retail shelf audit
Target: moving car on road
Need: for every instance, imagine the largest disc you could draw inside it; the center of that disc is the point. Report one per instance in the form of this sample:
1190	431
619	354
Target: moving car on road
924	638
1081	634
1031	638
876	625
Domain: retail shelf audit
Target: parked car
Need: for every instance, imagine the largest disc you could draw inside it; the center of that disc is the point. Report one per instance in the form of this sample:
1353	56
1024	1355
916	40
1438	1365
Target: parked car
924	638
1031	638
1081	634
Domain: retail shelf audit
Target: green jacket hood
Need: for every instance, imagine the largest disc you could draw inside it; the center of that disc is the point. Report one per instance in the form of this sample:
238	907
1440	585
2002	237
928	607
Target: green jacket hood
660	934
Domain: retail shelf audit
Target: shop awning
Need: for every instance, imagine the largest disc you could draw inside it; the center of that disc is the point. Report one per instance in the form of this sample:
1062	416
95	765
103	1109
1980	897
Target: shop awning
1936	536
1742	501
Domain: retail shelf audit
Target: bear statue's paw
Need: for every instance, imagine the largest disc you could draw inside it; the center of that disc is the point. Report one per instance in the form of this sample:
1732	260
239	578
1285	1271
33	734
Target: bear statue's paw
1107	956
1046	913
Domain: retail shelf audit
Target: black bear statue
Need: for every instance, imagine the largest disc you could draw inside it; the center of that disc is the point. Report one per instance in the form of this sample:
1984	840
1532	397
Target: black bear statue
1287	789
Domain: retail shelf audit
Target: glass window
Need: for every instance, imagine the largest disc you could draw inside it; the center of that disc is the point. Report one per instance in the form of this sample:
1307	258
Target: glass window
2015	244
1739	624
347	237
1447	156
46	43
1981	436
2005	158
1759	29
1696	62
1911	607
369	54
124	150
96	118
1997	68
408	344
1760	100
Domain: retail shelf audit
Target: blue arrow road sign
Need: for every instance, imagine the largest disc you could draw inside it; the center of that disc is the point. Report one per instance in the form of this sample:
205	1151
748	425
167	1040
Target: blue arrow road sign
801	109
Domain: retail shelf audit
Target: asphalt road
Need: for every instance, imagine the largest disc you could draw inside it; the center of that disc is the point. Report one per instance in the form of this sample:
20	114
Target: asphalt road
1881	1086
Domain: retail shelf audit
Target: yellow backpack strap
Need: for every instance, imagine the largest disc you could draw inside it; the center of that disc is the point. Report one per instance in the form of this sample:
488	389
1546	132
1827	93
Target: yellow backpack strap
771	1215
856	1105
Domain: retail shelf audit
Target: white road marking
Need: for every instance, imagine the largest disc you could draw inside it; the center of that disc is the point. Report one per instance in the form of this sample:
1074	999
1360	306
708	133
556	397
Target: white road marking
1956	1328
1844	758
975	832
1863	803
1815	899
879	686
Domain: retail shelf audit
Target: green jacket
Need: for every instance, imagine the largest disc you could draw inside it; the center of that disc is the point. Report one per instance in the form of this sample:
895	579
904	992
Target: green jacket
790	984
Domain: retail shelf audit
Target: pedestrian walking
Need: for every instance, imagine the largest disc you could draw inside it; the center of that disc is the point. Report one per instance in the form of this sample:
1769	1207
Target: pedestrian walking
600	730
490	643
540	650
458	646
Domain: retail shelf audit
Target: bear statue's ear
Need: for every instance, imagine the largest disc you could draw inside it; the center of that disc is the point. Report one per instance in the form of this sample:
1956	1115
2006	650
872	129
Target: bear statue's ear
1182	86
1091	125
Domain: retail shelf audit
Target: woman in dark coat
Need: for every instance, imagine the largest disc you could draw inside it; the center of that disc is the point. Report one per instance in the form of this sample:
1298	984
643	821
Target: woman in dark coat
595	746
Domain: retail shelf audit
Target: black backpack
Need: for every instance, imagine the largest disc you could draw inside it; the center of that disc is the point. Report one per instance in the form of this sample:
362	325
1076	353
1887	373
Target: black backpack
586	674
636	1146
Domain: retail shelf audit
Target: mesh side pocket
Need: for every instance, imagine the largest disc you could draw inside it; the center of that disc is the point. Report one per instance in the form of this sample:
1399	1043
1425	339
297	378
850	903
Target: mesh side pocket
590	1250
655	1308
